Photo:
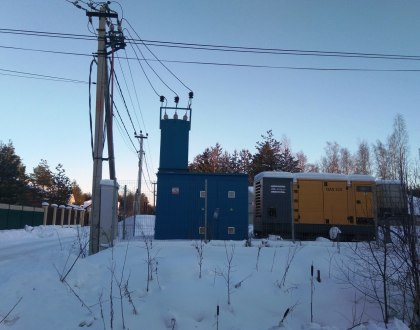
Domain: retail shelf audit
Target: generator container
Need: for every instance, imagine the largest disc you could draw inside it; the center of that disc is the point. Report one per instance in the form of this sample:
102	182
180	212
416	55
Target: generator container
307	205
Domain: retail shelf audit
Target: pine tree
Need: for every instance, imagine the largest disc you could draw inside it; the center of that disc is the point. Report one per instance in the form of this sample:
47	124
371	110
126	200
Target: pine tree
272	156
213	160
267	157
54	187
12	176
288	163
61	190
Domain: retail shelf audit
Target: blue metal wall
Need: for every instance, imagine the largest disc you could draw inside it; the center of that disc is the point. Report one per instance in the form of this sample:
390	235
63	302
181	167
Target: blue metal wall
174	144
180	210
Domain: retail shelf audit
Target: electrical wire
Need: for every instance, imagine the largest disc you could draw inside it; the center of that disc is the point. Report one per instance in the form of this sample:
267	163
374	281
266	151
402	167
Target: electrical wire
256	66
23	74
125	128
125	104
138	103
122	133
135	93
137	99
90	106
147	170
45	51
144	72
146	182
291	67
153	54
212	47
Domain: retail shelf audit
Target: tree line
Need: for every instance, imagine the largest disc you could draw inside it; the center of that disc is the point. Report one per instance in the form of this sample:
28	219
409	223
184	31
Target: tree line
387	159
43	184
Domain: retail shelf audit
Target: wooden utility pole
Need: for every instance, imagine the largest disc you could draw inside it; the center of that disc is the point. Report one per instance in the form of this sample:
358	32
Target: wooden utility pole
154	195
141	137
101	87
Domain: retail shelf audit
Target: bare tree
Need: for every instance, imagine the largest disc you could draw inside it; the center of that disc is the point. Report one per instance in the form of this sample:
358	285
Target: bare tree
330	162
313	168
302	161
369	273
346	161
381	160
362	159
398	149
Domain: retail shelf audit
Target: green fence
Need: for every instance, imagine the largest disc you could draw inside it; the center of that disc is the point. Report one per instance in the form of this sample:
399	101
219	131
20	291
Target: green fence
17	216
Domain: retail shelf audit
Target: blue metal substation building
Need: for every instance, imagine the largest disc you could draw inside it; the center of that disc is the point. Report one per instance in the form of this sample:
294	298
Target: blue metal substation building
210	206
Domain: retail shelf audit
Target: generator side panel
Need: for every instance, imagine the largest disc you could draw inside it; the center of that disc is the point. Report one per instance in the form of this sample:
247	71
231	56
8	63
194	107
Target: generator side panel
335	202
309	201
273	206
364	202
258	205
390	201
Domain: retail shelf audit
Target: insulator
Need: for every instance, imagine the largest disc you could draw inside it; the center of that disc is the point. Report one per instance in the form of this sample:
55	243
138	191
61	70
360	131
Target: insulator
162	98
175	115
190	95
176	99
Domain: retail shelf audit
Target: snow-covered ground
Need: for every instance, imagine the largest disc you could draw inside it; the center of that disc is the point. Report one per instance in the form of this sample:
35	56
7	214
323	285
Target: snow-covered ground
32	261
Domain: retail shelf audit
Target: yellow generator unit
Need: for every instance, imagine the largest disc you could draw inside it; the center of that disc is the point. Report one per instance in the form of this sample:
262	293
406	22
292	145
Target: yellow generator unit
318	201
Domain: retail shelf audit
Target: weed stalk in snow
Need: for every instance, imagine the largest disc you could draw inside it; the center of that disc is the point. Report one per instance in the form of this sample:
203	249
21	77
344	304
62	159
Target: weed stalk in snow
318	279
291	254
227	274
11	310
199	247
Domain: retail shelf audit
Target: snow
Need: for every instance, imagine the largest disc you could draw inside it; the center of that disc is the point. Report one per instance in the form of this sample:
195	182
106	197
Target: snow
317	176
31	261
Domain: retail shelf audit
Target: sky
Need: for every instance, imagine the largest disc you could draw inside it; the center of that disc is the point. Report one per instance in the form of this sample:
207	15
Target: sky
261	288
232	105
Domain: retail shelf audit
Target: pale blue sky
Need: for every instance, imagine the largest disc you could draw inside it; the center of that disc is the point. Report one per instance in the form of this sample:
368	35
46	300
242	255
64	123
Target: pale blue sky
232	105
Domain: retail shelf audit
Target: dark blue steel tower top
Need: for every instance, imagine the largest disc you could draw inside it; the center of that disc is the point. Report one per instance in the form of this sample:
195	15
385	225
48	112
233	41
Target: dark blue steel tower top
175	124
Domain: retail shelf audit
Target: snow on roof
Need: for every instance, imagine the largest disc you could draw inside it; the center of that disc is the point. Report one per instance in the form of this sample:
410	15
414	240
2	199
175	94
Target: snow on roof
274	174
387	181
315	176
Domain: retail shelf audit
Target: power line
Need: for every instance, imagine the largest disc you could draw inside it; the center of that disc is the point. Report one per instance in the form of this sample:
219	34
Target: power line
135	91
153	54
290	67
125	104
49	34
45	51
22	74
257	66
151	68
125	128
132	103
223	48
